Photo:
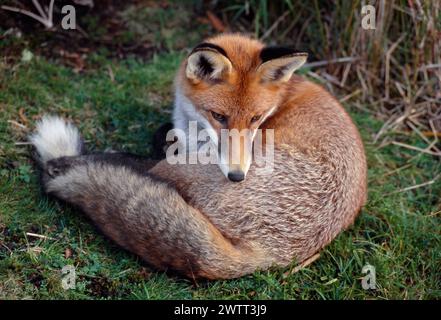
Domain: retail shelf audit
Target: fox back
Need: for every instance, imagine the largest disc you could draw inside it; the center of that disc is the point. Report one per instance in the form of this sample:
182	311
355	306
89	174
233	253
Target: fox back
318	183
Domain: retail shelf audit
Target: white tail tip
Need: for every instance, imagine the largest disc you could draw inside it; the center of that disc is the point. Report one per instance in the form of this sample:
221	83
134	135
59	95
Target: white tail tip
56	138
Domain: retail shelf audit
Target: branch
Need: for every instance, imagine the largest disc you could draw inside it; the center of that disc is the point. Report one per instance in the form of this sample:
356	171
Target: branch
43	18
39	9
51	11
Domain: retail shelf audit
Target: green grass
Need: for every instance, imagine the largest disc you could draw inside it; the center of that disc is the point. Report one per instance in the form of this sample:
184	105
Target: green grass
398	233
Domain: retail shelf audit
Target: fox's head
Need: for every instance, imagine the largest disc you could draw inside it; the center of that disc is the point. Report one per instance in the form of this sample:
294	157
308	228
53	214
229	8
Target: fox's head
233	82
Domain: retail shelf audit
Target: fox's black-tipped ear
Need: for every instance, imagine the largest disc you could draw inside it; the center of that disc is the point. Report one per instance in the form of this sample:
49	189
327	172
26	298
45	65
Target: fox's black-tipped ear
279	63
207	62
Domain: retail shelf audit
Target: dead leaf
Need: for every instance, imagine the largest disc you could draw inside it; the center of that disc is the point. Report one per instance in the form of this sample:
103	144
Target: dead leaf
217	24
22	116
73	59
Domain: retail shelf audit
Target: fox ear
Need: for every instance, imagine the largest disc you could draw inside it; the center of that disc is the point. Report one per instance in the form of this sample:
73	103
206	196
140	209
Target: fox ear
279	63
207	62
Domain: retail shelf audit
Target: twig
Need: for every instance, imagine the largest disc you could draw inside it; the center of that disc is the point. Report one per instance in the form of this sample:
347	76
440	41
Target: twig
430	66
431	134
383	129
274	25
51	11
390	123
432	214
349	96
332	79
417	185
388	57
35	235
316	76
304	264
45	18
362	82
17	124
408	146
39	9
10	251
27	13
111	74
327	62
397	170
414	128
345	74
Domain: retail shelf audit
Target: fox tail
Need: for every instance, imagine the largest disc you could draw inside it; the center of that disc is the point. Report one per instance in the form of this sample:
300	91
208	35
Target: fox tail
55	138
136	210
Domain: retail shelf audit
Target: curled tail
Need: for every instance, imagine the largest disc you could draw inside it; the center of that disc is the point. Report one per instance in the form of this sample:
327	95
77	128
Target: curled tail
55	138
141	214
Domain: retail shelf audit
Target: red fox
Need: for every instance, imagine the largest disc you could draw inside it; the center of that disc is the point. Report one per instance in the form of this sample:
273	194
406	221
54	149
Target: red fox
218	224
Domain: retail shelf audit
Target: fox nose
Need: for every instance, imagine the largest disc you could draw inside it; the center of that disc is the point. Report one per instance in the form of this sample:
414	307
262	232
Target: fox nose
236	176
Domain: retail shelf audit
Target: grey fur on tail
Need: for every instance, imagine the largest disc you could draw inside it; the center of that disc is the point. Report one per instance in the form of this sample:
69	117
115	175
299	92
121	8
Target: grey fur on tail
138	211
55	138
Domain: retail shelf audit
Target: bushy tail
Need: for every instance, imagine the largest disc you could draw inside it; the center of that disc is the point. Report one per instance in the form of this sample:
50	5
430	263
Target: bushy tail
140	213
149	218
55	138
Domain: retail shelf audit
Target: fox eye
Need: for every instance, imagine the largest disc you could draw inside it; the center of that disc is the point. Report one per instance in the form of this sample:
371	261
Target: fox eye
218	117
256	118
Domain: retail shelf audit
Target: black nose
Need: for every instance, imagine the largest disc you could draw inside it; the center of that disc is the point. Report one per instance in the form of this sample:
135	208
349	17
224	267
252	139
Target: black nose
236	176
